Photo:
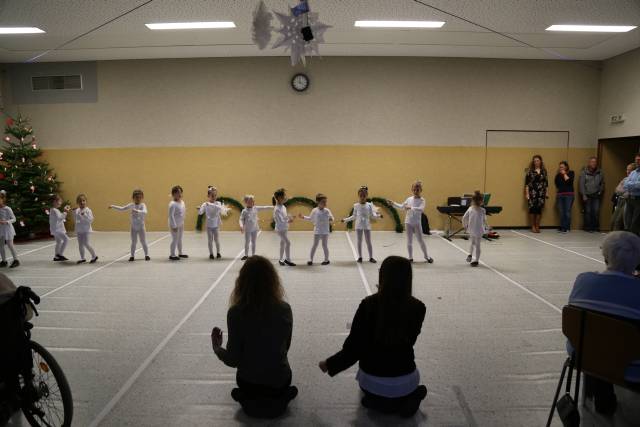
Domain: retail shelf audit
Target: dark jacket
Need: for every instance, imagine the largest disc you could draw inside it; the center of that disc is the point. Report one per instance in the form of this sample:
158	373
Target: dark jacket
591	182
258	345
375	357
563	186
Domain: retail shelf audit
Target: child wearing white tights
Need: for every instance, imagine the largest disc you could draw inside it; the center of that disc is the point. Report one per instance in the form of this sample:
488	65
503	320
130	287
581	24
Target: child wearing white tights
363	211
177	210
7	232
83	218
213	210
138	213
282	221
475	223
249	224
57	229
321	217
414	208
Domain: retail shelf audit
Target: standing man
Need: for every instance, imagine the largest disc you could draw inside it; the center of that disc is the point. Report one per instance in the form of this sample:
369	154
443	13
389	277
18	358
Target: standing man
591	188
632	208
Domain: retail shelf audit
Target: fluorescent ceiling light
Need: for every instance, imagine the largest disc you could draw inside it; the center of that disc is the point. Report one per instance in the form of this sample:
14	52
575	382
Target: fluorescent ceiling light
20	30
593	28
399	24
190	25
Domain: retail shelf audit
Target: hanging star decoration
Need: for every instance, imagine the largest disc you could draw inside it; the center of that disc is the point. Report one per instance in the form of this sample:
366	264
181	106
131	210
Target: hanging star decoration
261	30
300	33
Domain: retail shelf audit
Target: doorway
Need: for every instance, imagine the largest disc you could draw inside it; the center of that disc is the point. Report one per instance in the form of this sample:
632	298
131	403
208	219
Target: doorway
615	154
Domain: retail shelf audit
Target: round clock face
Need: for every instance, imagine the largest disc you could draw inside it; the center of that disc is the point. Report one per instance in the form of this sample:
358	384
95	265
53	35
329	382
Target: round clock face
300	82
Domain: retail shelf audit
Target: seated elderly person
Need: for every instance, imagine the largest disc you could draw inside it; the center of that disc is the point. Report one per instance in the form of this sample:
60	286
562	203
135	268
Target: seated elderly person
615	292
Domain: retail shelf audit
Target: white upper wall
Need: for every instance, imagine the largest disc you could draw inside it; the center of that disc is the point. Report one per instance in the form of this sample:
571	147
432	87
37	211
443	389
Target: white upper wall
364	100
620	94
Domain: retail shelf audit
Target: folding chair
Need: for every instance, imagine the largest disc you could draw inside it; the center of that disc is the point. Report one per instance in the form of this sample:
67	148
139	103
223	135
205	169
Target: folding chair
604	346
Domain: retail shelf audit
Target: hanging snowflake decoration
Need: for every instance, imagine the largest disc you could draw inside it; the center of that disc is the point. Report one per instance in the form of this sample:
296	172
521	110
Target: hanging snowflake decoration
261	30
292	39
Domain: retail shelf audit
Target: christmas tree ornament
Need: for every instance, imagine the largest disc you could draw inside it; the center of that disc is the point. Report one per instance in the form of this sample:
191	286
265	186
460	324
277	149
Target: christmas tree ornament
22	224
261	29
34	146
7	139
32	188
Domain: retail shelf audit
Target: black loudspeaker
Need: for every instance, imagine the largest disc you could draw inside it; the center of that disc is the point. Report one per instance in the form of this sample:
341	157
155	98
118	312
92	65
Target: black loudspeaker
307	34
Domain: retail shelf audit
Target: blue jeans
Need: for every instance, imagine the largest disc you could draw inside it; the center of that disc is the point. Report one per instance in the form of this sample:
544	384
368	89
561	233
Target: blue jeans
565	203
592	214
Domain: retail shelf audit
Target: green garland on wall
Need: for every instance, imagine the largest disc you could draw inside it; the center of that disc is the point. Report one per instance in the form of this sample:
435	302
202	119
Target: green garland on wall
390	208
225	200
299	200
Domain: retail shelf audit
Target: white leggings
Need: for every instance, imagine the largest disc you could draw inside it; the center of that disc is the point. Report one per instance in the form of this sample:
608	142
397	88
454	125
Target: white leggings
415	230
142	235
250	238
285	245
11	248
325	245
83	242
475	243
61	242
212	235
367	237
176	240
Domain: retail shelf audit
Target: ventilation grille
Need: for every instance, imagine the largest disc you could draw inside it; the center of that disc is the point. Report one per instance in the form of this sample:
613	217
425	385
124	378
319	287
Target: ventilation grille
71	82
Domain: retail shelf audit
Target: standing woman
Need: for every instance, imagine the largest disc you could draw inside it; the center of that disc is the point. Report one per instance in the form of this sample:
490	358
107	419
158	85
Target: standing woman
564	195
535	190
259	324
619	200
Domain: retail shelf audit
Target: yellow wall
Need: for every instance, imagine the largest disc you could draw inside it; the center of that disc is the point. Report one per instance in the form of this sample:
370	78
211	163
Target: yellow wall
108	176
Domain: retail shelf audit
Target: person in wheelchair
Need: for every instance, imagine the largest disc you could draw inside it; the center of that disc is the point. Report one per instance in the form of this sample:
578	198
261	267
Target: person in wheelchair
614	292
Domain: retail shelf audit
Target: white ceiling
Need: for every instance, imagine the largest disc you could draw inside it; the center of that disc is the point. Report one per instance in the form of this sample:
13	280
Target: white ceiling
128	38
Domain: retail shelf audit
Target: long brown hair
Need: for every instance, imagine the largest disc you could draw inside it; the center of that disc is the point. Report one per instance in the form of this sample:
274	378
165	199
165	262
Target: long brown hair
258	286
394	293
532	166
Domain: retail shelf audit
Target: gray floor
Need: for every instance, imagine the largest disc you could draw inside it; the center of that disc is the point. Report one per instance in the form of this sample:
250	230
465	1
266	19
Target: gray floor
133	338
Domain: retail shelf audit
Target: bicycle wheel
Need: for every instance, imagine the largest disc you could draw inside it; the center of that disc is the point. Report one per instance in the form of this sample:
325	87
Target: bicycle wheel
51	404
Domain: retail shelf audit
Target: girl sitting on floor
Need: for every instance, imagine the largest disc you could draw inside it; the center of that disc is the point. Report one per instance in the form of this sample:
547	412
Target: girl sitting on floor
384	330
259	324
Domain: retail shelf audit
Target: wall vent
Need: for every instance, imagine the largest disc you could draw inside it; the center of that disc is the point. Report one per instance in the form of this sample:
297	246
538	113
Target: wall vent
54	83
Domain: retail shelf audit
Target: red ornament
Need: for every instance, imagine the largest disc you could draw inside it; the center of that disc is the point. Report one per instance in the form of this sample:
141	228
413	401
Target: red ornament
9	121
1	176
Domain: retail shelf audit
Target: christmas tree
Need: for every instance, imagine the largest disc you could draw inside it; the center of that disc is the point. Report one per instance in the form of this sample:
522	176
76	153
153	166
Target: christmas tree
29	183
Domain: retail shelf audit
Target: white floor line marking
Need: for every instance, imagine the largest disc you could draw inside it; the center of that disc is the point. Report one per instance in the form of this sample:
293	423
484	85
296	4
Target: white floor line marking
365	282
145	364
102	267
20	255
510	280
557	247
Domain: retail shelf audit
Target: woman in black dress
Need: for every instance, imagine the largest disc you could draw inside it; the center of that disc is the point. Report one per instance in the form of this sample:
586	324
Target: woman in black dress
535	190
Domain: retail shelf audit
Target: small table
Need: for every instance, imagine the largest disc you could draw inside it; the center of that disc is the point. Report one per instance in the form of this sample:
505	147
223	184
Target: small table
455	214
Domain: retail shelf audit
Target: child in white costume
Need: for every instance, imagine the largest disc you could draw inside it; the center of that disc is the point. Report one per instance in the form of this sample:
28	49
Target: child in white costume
282	221
177	210
321	217
83	218
475	223
57	219
7	232
363	211
138	214
249	224
213	210
414	208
